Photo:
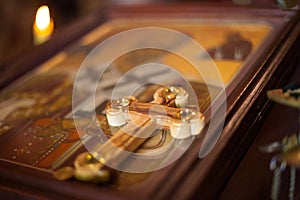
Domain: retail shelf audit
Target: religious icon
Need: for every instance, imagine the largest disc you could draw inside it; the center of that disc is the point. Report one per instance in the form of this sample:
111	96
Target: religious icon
138	127
37	125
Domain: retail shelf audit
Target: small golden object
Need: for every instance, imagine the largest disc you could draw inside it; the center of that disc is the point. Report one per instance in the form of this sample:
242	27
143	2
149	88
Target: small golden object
89	169
292	157
64	173
285	98
170	93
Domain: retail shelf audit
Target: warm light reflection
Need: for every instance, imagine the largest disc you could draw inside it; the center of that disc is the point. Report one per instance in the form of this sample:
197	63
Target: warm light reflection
43	25
42	18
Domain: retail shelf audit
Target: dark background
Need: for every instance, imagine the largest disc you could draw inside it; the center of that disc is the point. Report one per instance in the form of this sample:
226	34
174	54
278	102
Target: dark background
17	17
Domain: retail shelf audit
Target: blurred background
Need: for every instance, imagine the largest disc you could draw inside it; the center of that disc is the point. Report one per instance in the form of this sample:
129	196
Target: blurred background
17	18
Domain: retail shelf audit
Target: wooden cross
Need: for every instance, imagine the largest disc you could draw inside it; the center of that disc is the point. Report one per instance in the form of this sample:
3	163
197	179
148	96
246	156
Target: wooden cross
166	110
137	120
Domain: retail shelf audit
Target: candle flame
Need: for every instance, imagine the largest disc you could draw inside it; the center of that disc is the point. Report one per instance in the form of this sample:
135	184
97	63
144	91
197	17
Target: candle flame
43	25
42	18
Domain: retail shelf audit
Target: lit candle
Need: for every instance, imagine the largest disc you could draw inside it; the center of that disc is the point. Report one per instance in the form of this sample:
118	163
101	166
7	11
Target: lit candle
43	25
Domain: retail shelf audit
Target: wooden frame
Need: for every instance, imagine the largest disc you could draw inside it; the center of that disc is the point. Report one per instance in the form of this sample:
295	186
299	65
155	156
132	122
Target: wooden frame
189	176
